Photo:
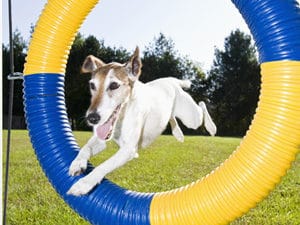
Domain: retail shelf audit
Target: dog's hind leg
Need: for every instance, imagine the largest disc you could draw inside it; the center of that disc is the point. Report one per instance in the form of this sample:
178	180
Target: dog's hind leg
191	114
208	122
91	148
176	131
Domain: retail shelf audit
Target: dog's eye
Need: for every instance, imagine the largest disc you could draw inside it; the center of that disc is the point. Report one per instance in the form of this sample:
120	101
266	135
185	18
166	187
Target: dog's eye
92	86
114	86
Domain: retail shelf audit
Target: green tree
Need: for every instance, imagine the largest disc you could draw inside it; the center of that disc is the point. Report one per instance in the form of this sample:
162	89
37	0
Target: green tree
160	60
233	84
192	71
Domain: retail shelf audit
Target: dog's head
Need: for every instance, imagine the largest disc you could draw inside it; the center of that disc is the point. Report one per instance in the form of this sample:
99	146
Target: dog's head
110	87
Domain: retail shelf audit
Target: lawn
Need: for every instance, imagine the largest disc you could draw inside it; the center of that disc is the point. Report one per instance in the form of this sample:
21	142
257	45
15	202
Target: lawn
165	165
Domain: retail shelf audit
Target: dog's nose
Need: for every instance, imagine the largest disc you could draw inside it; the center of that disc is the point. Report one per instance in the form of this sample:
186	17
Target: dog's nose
93	118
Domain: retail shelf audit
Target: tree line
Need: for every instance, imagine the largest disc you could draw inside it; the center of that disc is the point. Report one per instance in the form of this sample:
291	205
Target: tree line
230	88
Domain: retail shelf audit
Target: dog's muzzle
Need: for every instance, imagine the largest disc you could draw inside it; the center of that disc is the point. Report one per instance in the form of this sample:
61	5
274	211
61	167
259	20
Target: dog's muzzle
93	118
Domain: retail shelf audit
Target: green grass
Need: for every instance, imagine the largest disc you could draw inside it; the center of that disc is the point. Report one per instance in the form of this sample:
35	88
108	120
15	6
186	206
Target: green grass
165	165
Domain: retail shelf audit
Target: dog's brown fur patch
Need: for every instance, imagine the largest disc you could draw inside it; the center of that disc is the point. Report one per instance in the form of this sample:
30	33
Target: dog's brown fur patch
101	75
127	73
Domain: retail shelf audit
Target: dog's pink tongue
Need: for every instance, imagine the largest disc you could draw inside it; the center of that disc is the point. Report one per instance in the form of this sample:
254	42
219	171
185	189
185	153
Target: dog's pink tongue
103	131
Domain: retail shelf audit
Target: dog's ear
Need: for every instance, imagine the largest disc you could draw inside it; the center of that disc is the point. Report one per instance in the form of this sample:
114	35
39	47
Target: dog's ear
134	66
91	63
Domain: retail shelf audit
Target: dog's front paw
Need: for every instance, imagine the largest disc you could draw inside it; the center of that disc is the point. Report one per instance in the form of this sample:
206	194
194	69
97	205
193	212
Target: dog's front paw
78	166
81	187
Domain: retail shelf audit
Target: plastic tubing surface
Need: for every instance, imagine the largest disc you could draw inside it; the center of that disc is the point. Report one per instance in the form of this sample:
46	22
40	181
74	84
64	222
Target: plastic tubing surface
237	185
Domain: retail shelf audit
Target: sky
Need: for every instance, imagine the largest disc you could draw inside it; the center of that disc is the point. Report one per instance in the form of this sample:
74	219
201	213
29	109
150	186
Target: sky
197	27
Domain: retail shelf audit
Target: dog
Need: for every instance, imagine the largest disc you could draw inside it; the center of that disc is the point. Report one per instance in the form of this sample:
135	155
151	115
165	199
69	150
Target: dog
131	113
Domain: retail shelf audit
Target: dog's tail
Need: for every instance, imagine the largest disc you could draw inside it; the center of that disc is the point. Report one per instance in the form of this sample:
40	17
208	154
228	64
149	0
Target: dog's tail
185	84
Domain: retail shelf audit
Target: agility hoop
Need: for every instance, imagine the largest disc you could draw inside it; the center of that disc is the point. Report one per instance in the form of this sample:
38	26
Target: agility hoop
237	185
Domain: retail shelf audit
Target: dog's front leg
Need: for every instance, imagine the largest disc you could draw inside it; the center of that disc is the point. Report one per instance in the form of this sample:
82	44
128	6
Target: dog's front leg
92	147
87	183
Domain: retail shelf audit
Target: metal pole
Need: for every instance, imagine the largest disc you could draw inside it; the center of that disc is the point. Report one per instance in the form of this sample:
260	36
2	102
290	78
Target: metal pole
10	111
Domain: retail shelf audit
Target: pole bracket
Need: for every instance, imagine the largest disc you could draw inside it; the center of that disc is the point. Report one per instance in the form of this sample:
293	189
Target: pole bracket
15	76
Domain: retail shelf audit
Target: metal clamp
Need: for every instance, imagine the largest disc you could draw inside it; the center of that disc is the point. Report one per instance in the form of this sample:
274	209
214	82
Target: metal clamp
15	76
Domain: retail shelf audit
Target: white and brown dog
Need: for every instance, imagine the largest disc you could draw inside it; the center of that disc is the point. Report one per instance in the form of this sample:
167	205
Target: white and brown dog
132	113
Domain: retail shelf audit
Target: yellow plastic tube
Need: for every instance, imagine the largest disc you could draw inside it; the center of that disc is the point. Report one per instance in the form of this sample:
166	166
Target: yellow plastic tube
256	166
54	35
